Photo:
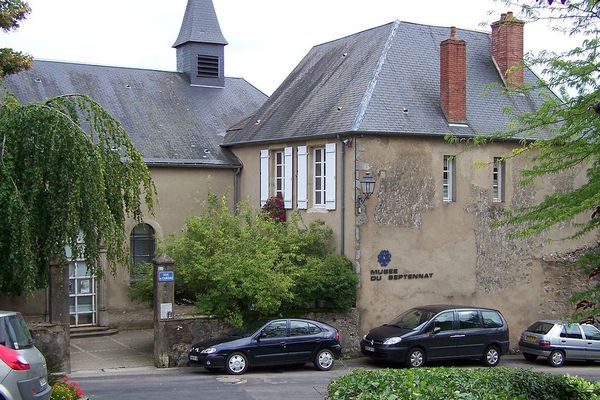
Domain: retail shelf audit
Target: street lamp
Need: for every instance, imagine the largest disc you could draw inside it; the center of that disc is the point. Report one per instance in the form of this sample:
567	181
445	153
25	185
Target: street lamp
367	187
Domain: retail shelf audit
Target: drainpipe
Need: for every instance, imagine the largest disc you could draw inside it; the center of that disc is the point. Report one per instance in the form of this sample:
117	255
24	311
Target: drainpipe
236	175
344	142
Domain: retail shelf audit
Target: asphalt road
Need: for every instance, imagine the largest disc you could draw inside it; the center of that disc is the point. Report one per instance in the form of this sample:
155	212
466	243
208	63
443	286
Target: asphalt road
291	383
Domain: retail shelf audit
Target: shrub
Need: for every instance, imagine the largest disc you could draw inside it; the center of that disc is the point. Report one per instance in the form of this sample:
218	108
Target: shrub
275	209
460	383
243	266
66	390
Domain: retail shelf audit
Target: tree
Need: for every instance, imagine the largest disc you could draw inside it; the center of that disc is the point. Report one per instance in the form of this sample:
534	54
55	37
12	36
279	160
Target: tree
67	169
11	13
571	124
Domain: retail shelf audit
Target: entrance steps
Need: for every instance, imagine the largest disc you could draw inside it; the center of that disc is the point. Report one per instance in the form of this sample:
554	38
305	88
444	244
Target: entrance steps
91	331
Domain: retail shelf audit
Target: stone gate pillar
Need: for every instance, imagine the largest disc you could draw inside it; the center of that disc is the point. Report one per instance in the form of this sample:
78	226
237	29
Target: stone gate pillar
164	297
58	310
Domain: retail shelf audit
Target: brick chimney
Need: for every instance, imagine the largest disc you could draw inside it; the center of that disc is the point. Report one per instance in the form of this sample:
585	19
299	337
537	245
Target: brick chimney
453	78
507	48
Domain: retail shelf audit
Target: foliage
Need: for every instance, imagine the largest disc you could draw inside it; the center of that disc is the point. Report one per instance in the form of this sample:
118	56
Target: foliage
563	135
11	13
460	383
142	285
242	265
66	390
66	168
275	209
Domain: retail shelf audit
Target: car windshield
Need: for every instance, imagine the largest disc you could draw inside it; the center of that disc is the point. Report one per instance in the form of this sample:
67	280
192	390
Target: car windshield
14	332
249	328
411	319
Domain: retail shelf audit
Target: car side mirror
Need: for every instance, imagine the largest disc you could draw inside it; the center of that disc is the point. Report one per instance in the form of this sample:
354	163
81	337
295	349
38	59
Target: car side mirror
436	329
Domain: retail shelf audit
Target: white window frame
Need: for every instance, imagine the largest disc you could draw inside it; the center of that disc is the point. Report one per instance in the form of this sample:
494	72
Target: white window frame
322	177
498	180
449	178
278	179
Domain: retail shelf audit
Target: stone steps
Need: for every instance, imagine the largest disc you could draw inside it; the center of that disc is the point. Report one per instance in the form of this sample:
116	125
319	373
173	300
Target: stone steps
92	331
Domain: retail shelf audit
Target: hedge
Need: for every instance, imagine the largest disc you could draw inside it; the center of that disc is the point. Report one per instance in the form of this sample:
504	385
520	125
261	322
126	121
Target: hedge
460	383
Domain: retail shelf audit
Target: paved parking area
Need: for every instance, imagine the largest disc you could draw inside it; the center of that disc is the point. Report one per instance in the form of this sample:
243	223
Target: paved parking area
126	349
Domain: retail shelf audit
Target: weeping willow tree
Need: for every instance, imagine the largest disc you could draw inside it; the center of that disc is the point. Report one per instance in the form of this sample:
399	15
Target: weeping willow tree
67	168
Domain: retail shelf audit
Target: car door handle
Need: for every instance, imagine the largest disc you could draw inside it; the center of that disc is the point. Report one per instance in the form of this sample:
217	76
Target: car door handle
563	341
455	336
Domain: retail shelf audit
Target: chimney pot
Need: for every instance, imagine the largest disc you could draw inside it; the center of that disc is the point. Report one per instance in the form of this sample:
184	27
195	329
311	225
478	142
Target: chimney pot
453	32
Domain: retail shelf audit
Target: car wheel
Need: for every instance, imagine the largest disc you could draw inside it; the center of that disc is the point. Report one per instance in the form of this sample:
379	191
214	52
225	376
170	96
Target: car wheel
491	356
529	356
236	364
324	360
556	358
415	358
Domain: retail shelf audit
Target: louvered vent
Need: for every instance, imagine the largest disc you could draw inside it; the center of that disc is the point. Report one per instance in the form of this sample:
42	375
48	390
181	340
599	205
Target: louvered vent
208	66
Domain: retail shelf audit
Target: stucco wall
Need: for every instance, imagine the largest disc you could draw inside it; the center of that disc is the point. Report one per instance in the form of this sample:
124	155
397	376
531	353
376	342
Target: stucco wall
182	192
460	258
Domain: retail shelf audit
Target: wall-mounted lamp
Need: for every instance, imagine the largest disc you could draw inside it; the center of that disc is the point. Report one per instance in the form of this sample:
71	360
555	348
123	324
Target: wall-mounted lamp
367	187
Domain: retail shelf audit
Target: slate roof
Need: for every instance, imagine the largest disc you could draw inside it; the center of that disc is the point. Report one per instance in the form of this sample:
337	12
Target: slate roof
384	80
200	24
169	121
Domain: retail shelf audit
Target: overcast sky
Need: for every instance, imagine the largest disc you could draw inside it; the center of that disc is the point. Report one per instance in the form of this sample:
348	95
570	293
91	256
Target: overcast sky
267	38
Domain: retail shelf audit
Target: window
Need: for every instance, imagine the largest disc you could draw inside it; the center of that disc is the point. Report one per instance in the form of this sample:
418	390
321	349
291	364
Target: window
491	319
302	328
590	331
498	180
319	177
571	331
276	175
279	173
143	245
275	329
468	320
448	177
208	66
444	321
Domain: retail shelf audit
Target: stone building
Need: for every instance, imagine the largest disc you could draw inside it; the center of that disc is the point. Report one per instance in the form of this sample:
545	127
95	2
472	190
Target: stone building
374	107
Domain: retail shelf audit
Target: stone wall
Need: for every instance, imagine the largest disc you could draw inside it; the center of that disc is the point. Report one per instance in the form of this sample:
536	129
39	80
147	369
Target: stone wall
54	342
176	336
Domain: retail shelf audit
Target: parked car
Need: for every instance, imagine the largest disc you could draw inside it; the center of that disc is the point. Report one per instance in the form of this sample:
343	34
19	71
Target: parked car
560	341
277	342
439	332
23	373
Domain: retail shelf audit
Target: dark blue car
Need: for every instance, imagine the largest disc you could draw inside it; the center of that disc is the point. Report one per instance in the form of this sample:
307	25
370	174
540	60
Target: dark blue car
277	342
439	332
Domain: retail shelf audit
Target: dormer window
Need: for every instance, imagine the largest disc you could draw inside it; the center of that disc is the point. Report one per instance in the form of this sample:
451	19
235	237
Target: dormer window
208	66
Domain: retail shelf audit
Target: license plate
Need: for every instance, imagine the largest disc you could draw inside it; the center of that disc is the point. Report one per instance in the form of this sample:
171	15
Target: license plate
530	339
369	348
43	382
194	358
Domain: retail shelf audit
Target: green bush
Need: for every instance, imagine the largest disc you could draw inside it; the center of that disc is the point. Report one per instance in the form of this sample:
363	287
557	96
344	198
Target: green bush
141	287
246	265
460	383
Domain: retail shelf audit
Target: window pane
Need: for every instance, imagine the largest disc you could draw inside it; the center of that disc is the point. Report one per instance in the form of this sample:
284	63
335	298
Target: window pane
444	321
491	319
298	328
571	331
591	333
468	320
313	329
318	198
275	330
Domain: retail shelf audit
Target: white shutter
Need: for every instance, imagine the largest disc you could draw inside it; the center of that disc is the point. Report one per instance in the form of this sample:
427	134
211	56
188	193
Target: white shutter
264	177
287	183
302	177
330	176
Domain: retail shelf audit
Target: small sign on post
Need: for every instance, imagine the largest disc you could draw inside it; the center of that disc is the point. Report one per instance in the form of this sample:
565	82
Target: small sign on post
166	310
166	276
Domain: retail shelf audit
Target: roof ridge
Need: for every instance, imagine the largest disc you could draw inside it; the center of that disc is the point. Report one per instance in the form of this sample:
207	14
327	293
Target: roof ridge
364	104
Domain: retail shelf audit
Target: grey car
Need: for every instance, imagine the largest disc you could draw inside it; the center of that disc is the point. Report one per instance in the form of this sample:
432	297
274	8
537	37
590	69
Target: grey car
560	341
23	372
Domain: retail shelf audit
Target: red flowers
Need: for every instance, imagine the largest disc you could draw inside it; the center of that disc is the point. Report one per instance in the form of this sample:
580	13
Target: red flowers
66	390
275	209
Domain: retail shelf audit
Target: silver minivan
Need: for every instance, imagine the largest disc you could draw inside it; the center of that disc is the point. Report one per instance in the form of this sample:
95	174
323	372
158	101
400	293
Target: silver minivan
560	341
23	372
